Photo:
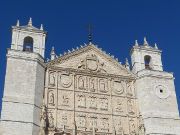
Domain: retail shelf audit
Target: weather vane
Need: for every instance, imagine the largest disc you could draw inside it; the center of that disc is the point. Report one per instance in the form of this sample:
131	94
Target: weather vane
90	33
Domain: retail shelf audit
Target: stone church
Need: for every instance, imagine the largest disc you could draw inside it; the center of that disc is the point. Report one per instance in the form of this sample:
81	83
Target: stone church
85	91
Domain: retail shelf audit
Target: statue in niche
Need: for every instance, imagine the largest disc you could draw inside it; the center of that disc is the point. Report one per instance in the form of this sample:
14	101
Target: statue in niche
82	121
132	127
102	85
52	79
120	128
51	98
81	83
119	106
93	102
43	119
92	84
130	106
141	126
65	100
51	121
81	101
105	124
129	89
104	103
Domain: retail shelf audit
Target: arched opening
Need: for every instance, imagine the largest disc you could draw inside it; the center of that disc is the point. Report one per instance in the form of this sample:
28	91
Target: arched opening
147	61
28	44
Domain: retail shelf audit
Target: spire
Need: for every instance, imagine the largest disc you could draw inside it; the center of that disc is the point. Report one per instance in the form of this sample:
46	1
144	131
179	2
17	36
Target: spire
30	22
127	66
136	43
53	54
41	28
90	33
145	41
17	24
155	46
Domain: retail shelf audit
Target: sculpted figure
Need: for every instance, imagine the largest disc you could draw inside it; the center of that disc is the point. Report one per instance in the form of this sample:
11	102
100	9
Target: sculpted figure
119	107
130	107
92	84
81	101
43	119
51	121
51	98
52	79
81	83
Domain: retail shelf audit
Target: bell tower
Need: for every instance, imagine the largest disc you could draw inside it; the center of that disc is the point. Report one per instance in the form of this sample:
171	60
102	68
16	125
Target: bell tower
155	91
24	81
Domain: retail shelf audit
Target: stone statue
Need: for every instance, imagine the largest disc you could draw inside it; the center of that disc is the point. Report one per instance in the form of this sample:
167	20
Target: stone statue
81	83
43	119
51	121
51	98
141	126
52	79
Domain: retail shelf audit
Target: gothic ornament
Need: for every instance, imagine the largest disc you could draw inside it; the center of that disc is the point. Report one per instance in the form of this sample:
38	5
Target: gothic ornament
43	119
52	79
82	82
51	120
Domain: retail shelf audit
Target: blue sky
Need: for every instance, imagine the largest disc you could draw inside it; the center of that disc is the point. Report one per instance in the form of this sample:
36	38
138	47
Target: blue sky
116	25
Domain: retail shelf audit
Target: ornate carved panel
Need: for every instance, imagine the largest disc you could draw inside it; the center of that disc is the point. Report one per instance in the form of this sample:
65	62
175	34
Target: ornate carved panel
52	79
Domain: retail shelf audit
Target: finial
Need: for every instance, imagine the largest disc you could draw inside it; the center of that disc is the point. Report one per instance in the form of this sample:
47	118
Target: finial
155	46
41	28
136	43
127	66
17	24
53	54
90	33
145	41
30	22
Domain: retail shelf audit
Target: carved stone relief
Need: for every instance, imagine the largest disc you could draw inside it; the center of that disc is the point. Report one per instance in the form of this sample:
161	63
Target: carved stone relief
131	104
52	79
50	120
64	98
92	84
93	102
103	85
119	127
104	124
91	63
81	101
81	121
66	80
132	126
82	82
92	121
104	103
119	86
119	106
130	88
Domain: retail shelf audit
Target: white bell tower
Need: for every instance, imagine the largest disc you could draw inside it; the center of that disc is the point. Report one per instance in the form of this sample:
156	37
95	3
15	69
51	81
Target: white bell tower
24	81
155	91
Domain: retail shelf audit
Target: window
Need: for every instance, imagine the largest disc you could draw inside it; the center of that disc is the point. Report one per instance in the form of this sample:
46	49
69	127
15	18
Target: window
147	61
28	44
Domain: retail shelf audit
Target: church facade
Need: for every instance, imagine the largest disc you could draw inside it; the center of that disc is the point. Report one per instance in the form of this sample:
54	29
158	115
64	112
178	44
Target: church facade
85	91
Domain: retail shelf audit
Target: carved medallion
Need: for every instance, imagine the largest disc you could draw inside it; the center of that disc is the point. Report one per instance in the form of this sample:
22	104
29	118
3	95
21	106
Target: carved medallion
66	80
